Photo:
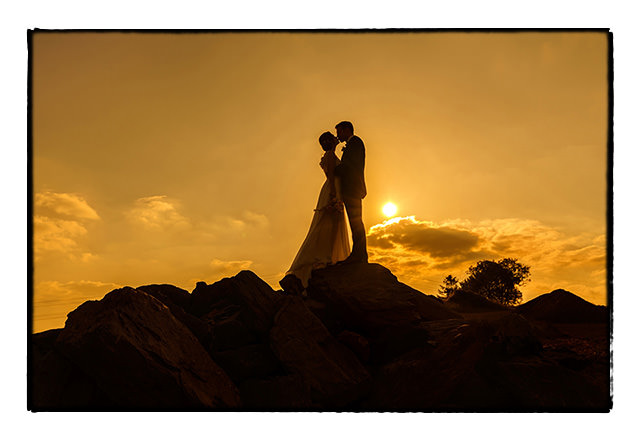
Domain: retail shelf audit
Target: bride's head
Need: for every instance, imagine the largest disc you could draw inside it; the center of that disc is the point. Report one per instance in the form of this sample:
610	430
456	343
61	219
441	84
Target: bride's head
328	141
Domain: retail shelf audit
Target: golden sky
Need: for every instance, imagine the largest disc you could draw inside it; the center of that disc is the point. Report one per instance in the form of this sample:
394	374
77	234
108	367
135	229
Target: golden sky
175	158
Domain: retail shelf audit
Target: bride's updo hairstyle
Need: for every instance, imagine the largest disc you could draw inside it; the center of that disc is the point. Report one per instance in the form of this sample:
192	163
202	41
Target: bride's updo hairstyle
327	141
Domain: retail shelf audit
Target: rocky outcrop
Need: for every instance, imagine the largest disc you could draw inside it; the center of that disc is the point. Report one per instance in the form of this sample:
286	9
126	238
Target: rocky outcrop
370	297
305	348
239	310
244	296
140	356
178	301
58	384
361	340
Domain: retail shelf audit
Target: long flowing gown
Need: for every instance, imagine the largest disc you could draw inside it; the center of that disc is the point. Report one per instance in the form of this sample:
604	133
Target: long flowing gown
327	241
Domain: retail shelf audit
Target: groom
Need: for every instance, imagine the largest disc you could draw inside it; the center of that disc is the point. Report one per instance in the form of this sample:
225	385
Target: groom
350	171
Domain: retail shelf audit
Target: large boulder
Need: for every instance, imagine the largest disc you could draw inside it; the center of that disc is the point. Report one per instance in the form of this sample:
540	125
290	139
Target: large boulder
428	378
177	300
561	306
305	348
168	294
55	382
368	297
141	356
252	361
239	309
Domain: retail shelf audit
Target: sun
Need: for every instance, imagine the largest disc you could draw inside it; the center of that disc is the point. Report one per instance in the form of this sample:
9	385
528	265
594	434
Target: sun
389	209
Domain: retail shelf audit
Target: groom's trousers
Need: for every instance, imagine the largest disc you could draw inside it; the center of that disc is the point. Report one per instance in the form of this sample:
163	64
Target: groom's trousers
354	212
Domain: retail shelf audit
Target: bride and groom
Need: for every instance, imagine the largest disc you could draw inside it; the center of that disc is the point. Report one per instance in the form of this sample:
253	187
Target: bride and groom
327	241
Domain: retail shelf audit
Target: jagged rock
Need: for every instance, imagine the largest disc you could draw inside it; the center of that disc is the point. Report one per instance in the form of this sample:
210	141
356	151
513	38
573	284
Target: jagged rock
463	301
55	382
369	297
249	361
358	344
159	347
229	332
168	294
291	285
391	341
141	356
306	348
327	315
177	300
426	378
563	307
244	299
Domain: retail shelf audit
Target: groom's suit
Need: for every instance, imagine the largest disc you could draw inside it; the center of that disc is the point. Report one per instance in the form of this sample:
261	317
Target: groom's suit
350	171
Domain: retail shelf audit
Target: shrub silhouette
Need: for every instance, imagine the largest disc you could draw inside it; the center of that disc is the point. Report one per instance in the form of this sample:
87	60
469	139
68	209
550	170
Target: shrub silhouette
449	286
497	281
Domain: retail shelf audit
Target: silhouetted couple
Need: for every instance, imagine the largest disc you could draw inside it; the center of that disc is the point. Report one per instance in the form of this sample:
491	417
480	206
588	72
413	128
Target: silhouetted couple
327	241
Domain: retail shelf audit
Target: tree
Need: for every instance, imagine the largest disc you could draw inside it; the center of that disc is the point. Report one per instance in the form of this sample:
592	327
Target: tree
449	286
497	281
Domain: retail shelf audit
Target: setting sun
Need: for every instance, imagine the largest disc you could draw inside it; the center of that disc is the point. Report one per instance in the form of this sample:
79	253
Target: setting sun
389	209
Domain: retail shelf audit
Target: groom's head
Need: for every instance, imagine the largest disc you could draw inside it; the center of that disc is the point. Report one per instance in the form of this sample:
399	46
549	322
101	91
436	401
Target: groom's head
328	141
344	130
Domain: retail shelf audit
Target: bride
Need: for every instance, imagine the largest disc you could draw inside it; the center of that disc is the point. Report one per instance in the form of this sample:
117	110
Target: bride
327	241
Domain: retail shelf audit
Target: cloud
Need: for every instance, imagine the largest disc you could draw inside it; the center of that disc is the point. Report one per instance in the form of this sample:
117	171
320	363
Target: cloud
422	253
59	223
231	228
427	237
63	204
218	269
253	219
59	236
157	213
228	268
83	290
53	300
246	222
162	214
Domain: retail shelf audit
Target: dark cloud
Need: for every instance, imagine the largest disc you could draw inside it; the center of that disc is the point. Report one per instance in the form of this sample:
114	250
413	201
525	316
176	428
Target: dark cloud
437	242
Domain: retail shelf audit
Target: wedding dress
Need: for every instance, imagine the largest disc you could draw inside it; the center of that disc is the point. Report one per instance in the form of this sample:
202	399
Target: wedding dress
327	241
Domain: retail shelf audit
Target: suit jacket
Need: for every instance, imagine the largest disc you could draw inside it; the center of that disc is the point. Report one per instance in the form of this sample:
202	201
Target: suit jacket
351	169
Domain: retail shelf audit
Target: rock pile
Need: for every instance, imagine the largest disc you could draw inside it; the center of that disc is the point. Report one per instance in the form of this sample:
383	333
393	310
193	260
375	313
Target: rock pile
359	341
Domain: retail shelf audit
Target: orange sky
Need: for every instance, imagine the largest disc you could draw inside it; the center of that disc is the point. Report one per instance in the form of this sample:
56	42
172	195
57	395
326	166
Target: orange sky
175	158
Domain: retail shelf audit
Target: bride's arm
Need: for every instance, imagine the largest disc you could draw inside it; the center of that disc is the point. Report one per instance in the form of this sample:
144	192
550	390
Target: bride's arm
328	165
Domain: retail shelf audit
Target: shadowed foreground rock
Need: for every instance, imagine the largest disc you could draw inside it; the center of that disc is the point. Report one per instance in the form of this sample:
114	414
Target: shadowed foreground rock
140	356
360	341
306	348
